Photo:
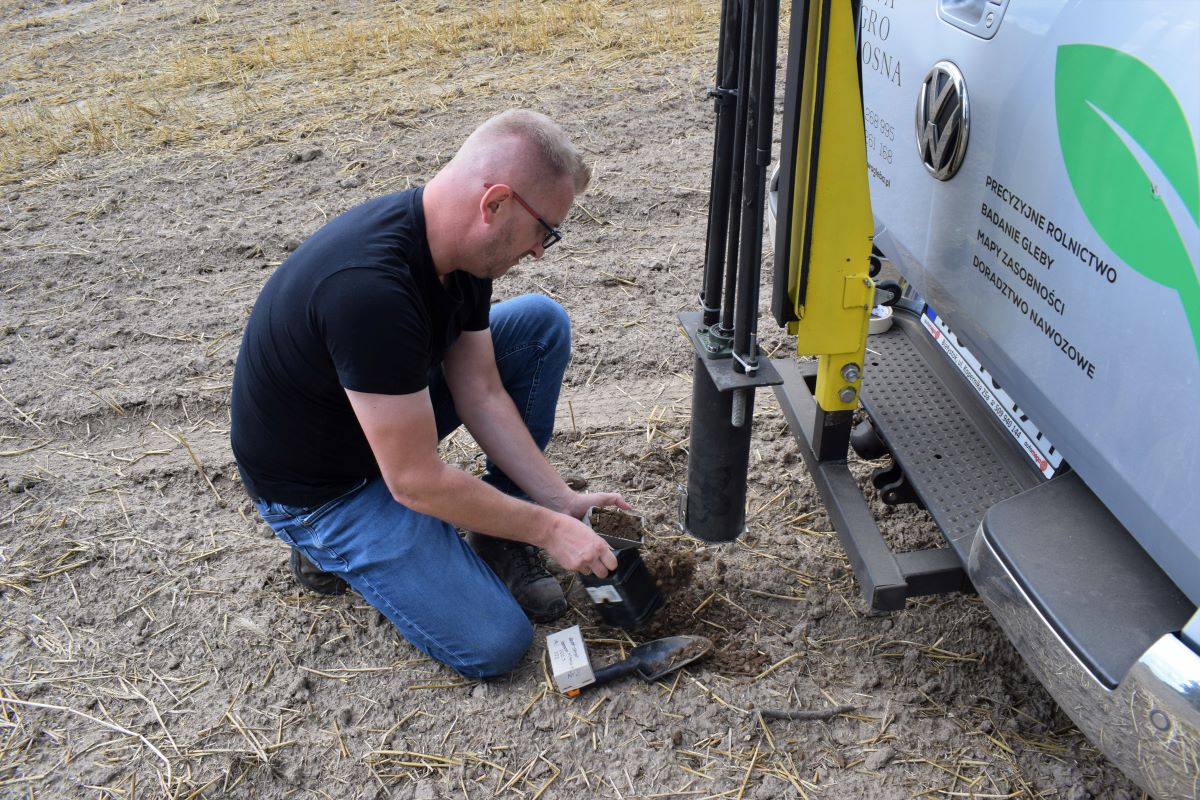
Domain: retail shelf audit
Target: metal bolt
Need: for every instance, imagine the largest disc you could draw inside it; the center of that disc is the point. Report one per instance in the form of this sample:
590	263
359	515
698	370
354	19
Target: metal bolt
846	395
738	417
850	372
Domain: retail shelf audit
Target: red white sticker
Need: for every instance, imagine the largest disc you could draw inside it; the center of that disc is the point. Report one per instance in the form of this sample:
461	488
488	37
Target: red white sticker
1034	444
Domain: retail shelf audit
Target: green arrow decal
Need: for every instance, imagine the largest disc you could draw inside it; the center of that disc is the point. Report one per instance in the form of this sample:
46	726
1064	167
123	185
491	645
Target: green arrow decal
1132	164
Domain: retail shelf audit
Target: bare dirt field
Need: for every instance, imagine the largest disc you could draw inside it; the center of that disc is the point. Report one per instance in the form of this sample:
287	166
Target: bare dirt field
157	161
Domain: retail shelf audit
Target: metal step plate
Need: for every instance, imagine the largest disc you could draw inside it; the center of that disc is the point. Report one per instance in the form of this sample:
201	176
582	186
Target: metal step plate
959	459
1104	597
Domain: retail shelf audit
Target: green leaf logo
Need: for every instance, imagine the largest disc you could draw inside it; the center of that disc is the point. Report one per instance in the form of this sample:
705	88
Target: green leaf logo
1132	163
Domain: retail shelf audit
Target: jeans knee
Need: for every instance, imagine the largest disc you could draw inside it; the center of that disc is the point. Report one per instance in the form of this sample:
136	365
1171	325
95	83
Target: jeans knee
552	320
500	648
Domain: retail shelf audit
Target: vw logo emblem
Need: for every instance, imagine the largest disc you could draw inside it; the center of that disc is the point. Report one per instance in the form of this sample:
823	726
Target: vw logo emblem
943	120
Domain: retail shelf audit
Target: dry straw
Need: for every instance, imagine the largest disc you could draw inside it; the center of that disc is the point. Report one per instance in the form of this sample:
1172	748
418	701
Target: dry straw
230	83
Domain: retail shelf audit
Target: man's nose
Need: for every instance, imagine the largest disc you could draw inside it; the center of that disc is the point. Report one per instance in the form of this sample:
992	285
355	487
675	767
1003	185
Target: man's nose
537	250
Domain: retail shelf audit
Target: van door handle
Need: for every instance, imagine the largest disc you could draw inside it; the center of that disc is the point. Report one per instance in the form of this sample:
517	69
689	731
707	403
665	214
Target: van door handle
979	17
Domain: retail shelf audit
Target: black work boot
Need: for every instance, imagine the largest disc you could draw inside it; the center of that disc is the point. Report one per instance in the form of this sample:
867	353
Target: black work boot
310	577
521	568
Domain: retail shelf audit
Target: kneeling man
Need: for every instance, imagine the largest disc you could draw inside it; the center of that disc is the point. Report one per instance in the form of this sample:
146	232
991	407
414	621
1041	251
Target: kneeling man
374	340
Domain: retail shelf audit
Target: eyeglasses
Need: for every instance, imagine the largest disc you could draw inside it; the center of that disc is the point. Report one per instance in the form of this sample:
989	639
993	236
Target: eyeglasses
551	236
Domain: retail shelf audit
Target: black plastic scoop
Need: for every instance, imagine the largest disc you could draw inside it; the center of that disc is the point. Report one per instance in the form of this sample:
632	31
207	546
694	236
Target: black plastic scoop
652	660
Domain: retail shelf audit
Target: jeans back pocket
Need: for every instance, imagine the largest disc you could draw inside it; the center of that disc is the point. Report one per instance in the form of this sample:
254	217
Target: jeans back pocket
315	514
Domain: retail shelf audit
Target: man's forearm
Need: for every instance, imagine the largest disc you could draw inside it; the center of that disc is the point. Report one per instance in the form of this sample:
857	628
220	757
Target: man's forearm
500	431
454	496
467	502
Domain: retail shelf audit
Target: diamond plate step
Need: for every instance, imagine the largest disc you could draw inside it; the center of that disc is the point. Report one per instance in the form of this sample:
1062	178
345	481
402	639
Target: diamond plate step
958	458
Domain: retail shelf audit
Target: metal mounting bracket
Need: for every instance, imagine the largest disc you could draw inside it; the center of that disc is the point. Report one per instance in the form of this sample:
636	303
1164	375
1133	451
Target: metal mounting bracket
721	369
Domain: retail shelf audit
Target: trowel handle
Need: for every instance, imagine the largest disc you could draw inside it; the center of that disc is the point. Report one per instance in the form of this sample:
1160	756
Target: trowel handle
621	669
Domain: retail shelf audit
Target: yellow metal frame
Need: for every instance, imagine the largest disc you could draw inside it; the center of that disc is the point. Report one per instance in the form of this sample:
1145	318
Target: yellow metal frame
834	313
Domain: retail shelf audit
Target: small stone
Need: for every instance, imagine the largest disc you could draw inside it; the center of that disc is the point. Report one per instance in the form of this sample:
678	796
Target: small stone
6	359
880	758
304	156
21	483
676	737
479	691
299	689
290	245
350	182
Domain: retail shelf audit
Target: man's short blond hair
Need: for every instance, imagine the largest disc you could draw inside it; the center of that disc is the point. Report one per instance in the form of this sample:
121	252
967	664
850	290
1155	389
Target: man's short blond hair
521	136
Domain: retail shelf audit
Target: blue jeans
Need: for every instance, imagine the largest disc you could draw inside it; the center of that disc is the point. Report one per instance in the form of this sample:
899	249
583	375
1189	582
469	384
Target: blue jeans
416	569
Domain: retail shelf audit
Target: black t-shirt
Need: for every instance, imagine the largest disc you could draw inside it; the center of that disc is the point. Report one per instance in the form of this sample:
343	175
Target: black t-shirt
357	306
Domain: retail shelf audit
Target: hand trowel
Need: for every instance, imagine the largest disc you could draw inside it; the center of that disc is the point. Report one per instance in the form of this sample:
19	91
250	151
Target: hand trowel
651	660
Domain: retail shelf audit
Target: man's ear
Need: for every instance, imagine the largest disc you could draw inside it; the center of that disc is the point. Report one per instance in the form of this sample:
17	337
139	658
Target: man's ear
493	198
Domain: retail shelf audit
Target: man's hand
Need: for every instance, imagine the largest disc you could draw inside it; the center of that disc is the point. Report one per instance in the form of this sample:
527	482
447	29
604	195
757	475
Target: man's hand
576	547
577	505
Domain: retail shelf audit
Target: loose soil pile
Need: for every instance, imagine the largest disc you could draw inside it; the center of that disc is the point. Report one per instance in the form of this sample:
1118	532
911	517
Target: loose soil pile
157	161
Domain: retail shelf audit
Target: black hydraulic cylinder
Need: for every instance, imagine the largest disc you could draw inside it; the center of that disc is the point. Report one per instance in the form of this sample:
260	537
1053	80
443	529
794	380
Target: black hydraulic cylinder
725	96
719	456
738	165
758	155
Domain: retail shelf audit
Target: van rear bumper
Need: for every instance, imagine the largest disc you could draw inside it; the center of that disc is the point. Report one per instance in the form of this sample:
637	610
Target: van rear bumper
1148	725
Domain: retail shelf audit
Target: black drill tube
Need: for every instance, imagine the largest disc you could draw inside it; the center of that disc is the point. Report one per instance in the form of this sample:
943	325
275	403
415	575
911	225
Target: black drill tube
718	195
758	157
719	455
718	459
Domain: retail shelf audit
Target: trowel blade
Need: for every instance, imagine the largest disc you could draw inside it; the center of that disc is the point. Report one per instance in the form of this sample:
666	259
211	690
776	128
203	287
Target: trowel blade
657	658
